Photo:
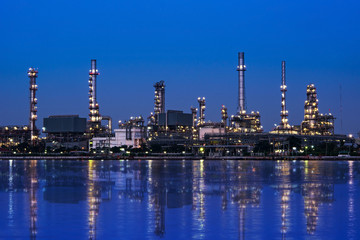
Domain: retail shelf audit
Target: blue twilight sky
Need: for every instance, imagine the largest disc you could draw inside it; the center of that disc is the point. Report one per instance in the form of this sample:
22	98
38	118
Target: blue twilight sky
191	45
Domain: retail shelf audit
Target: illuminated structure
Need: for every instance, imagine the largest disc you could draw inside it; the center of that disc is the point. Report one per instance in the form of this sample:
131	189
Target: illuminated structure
241	68
315	123
130	133
94	115
194	121
224	116
171	127
159	106
202	107
284	126
243	122
246	122
33	74
14	135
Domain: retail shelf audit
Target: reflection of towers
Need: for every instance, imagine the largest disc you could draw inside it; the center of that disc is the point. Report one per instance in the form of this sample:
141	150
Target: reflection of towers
157	197
159	100
33	200
315	192
198	186
245	192
351	203
94	115
284	188
201	102
33	74
159	210
93	199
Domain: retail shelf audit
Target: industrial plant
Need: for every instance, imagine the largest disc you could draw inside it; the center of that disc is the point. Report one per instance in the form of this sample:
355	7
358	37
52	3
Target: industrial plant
176	131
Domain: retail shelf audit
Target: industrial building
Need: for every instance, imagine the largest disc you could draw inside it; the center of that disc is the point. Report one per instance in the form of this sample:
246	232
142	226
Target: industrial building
131	133
65	131
14	135
174	129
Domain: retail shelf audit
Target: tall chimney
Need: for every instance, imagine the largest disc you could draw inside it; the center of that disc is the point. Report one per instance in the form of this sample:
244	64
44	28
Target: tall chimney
241	68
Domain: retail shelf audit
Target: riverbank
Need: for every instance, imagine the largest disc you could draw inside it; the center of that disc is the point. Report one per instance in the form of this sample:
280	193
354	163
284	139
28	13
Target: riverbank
164	157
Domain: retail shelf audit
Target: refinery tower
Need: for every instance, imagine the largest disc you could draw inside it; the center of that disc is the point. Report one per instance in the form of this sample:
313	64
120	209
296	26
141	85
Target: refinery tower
243	121
94	124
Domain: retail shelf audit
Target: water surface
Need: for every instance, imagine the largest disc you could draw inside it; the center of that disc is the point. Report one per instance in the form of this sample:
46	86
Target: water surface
53	199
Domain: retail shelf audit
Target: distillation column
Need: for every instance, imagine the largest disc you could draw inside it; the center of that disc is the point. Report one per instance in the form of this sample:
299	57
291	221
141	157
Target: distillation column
241	68
159	106
202	110
224	116
33	74
94	115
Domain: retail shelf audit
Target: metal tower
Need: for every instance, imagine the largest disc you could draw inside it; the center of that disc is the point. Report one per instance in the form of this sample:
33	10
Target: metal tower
94	115
159	104
241	68
284	125
33	74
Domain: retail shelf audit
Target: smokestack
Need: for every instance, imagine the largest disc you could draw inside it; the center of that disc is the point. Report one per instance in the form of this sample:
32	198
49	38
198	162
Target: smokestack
241	68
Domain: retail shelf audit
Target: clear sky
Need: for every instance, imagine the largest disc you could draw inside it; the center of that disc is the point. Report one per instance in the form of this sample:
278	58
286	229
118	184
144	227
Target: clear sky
191	45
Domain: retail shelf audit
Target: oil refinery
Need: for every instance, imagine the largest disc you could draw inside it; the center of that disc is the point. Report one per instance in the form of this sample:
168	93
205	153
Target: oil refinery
175	131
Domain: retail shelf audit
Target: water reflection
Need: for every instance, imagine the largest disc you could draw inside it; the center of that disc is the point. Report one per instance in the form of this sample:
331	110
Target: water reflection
205	198
32	189
284	187
316	189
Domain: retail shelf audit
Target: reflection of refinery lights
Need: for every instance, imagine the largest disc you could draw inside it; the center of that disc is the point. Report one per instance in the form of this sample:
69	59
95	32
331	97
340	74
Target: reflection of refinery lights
33	199
11	202
351	193
198	193
93	201
351	176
